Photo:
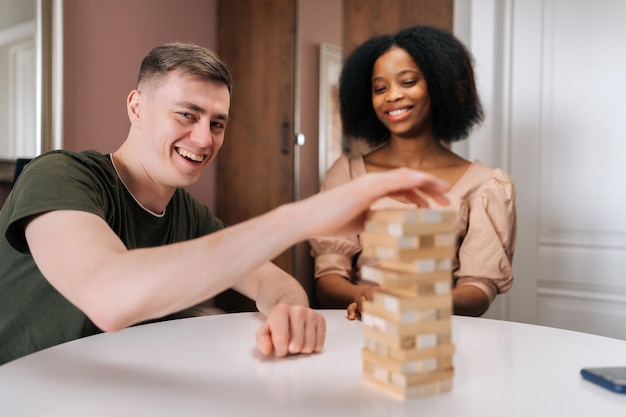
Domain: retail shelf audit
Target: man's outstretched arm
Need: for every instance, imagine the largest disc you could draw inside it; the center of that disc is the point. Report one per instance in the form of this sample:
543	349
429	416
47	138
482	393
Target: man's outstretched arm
84	260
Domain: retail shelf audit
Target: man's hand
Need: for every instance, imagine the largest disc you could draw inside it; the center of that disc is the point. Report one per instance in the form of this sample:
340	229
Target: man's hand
291	329
342	210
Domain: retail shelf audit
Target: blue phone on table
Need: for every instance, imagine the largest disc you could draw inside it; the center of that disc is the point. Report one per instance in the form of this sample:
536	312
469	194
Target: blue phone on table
612	378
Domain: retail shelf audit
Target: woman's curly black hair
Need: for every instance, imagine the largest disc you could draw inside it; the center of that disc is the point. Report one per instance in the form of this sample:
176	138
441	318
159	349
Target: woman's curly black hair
447	66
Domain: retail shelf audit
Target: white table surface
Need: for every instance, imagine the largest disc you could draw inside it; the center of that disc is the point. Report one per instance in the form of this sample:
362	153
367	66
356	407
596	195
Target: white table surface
209	366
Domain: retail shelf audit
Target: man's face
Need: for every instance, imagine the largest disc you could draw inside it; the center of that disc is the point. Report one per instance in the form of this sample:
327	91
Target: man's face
182	124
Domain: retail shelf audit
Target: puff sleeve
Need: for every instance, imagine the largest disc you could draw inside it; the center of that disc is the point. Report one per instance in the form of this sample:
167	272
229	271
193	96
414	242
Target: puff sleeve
486	230
333	255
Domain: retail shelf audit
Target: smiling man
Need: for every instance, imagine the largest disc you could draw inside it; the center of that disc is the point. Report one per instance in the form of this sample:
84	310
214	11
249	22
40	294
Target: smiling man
97	242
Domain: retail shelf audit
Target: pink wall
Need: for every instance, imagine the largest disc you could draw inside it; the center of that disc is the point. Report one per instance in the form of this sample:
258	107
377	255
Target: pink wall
104	43
319	21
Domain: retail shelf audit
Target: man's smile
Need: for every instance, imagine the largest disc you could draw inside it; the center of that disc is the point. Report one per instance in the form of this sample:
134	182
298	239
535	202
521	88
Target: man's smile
190	155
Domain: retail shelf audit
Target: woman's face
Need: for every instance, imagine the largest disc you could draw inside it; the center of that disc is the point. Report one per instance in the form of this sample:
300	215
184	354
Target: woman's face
400	94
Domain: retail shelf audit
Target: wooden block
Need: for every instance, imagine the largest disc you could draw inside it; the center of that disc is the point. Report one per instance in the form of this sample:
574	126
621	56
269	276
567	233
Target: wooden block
411	380
400	379
412	291
416	266
418	391
408	229
416	215
441	240
407	354
408	367
437	240
408	254
392	302
402	242
405	329
398	316
408	342
444	339
429	384
388	312
417	290
401	367
390	279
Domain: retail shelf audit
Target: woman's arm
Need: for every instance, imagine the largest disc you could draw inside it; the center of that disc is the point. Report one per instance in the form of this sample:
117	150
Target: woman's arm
335	291
469	300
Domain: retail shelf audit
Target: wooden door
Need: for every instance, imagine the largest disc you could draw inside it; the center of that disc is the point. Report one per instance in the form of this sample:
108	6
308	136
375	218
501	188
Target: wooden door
366	18
363	19
255	168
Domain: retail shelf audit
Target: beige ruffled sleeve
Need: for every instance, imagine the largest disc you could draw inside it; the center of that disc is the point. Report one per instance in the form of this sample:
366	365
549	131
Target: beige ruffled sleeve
486	229
333	255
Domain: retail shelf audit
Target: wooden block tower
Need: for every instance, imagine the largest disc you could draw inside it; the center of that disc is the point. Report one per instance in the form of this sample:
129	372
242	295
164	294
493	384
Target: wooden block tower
407	326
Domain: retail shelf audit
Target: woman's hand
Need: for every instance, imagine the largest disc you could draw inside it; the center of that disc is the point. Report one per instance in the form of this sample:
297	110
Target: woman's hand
355	309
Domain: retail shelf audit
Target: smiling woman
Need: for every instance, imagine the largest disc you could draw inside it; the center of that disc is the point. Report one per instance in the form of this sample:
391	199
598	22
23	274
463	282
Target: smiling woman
31	77
408	96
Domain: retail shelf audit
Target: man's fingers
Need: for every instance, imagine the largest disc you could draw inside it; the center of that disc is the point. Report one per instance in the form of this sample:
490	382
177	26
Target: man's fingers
291	329
297	325
264	340
280	334
320	333
304	333
314	333
308	330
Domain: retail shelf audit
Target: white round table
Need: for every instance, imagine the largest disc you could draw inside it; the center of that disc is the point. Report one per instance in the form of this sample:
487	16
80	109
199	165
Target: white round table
210	366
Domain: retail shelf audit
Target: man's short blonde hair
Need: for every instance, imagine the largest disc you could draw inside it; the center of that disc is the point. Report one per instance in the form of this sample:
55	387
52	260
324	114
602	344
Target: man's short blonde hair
186	58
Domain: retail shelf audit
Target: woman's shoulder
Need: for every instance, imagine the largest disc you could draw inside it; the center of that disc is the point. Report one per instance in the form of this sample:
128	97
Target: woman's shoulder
344	169
483	181
488	201
479	175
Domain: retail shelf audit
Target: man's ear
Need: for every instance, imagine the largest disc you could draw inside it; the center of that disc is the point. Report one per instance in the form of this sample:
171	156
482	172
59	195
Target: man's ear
133	106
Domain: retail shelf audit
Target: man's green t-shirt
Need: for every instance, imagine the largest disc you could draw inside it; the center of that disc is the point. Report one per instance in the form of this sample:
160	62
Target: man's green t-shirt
33	315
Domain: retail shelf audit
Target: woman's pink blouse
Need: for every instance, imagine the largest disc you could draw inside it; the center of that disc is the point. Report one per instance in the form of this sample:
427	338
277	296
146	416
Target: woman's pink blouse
485	230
